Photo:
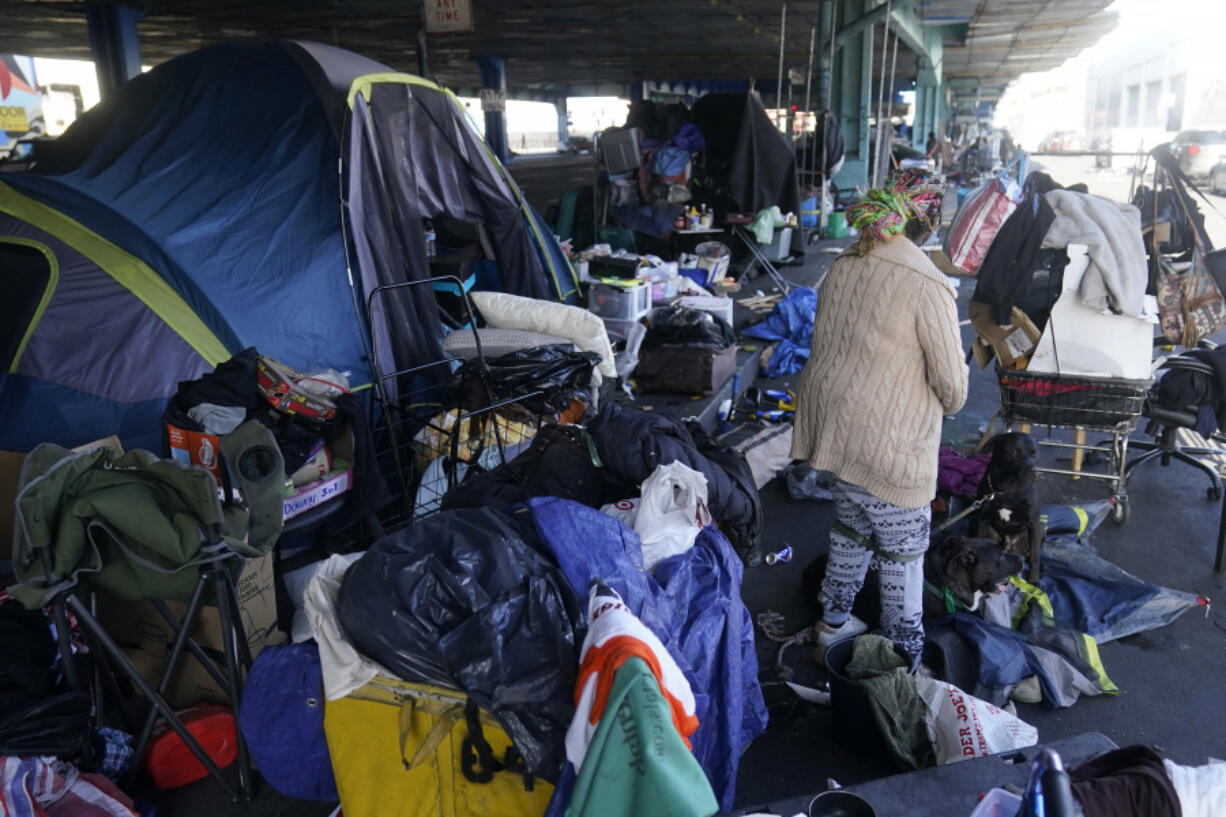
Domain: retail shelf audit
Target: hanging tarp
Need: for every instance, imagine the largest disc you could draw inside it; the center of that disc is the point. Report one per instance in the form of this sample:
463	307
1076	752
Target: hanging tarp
748	154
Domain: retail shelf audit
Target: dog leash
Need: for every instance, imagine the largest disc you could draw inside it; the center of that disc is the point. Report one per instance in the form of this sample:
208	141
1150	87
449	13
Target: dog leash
974	506
902	558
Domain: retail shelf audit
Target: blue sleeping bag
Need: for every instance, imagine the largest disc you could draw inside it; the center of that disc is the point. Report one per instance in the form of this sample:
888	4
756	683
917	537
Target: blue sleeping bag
693	603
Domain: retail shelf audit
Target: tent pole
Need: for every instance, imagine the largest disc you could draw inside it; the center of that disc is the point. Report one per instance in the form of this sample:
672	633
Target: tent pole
422	69
783	26
806	147
893	66
821	207
881	94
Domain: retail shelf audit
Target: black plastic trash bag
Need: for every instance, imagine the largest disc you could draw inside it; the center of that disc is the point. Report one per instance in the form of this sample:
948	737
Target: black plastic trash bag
633	443
561	461
682	326
464	599
556	372
34	720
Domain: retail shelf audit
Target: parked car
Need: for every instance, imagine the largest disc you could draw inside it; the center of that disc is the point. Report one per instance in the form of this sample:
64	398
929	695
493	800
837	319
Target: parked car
1217	178
1199	151
1061	141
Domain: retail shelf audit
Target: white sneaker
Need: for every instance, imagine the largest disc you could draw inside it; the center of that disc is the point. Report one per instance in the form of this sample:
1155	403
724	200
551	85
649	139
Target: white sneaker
827	635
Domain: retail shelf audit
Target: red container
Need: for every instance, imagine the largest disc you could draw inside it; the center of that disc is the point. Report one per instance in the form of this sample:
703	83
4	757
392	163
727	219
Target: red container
171	764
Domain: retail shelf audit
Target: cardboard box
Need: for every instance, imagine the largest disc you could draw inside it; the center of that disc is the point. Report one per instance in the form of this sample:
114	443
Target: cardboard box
190	685
279	385
195	448
317	493
10	470
337	482
1082	340
1010	343
138	624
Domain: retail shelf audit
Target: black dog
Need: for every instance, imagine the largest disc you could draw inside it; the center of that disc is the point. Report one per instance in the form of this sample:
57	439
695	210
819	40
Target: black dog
959	572
1010	514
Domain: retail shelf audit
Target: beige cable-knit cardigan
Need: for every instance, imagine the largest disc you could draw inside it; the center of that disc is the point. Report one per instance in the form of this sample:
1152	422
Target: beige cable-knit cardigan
886	365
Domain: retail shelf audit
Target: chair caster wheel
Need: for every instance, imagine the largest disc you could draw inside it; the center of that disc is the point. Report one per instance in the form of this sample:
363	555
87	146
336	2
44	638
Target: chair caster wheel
1119	511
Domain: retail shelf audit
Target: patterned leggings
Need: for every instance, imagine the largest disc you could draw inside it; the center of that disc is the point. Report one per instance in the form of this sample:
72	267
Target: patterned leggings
897	530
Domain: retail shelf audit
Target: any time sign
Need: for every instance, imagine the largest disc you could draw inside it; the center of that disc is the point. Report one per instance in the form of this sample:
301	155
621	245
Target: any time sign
448	16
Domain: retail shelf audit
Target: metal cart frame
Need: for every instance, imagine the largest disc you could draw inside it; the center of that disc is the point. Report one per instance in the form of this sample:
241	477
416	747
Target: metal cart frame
1107	405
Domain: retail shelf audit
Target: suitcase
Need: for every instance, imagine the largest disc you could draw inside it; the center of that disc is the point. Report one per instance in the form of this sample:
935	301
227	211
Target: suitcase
685	369
402	749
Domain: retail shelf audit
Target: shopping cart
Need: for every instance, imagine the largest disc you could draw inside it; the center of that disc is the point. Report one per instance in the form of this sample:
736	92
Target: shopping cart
1108	405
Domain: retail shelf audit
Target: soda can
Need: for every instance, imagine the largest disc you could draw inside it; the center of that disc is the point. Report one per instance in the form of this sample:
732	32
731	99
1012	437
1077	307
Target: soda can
780	556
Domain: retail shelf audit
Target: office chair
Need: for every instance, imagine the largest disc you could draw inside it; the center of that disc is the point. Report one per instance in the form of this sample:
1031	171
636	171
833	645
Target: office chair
1165	425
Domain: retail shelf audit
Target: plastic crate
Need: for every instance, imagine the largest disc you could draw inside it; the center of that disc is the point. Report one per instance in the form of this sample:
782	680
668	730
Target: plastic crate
998	803
1064	400
623	303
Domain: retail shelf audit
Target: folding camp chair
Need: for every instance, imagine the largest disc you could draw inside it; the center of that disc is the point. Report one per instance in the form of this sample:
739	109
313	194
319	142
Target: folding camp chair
65	500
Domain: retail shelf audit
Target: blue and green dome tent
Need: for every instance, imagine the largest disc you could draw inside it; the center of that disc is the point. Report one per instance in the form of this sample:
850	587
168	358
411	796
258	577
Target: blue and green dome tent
241	195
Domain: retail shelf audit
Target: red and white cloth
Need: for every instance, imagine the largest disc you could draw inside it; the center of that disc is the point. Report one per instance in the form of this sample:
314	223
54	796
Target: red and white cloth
978	221
47	787
614	635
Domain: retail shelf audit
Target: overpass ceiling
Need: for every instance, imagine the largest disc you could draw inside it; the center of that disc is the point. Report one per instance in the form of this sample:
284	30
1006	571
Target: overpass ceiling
544	41
557	42
1007	38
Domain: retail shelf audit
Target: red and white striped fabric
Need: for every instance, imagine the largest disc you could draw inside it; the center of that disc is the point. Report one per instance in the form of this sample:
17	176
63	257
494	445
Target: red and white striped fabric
978	221
47	787
615	634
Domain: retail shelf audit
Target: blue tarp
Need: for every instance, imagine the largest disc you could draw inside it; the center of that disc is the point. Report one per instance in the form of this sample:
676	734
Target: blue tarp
693	603
790	323
1101	598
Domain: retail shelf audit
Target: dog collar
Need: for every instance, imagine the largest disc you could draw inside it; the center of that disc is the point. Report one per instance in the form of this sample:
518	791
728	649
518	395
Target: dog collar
953	604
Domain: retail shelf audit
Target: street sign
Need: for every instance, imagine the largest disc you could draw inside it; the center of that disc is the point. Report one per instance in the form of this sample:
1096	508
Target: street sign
448	16
493	100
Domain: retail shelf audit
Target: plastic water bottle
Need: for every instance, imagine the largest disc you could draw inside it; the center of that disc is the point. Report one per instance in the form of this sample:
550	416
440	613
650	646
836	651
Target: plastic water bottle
429	240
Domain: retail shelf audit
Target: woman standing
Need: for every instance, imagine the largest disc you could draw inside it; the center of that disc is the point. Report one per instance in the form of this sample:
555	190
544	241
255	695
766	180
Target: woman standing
886	365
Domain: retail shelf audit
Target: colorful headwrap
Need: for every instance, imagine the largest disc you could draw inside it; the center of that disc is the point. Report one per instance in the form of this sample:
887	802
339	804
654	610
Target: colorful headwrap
907	195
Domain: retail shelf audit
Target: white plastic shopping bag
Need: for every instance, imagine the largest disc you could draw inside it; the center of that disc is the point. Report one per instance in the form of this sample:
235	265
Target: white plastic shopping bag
672	511
962	726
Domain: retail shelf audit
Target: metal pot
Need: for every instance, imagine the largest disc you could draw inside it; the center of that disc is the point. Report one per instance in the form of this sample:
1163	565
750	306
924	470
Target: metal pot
840	803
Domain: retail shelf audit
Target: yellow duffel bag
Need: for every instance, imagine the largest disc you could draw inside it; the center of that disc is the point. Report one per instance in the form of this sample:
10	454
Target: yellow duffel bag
401	749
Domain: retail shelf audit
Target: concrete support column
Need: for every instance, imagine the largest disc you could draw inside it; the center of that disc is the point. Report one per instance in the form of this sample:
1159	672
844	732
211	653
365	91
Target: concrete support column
851	95
559	105
115	43
825	33
494	103
929	112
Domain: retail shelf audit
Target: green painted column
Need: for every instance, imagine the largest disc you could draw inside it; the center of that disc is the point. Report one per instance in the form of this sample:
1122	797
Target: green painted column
851	96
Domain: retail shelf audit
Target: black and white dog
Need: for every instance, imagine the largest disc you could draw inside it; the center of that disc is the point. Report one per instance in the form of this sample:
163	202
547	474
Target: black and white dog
959	571
1010	514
